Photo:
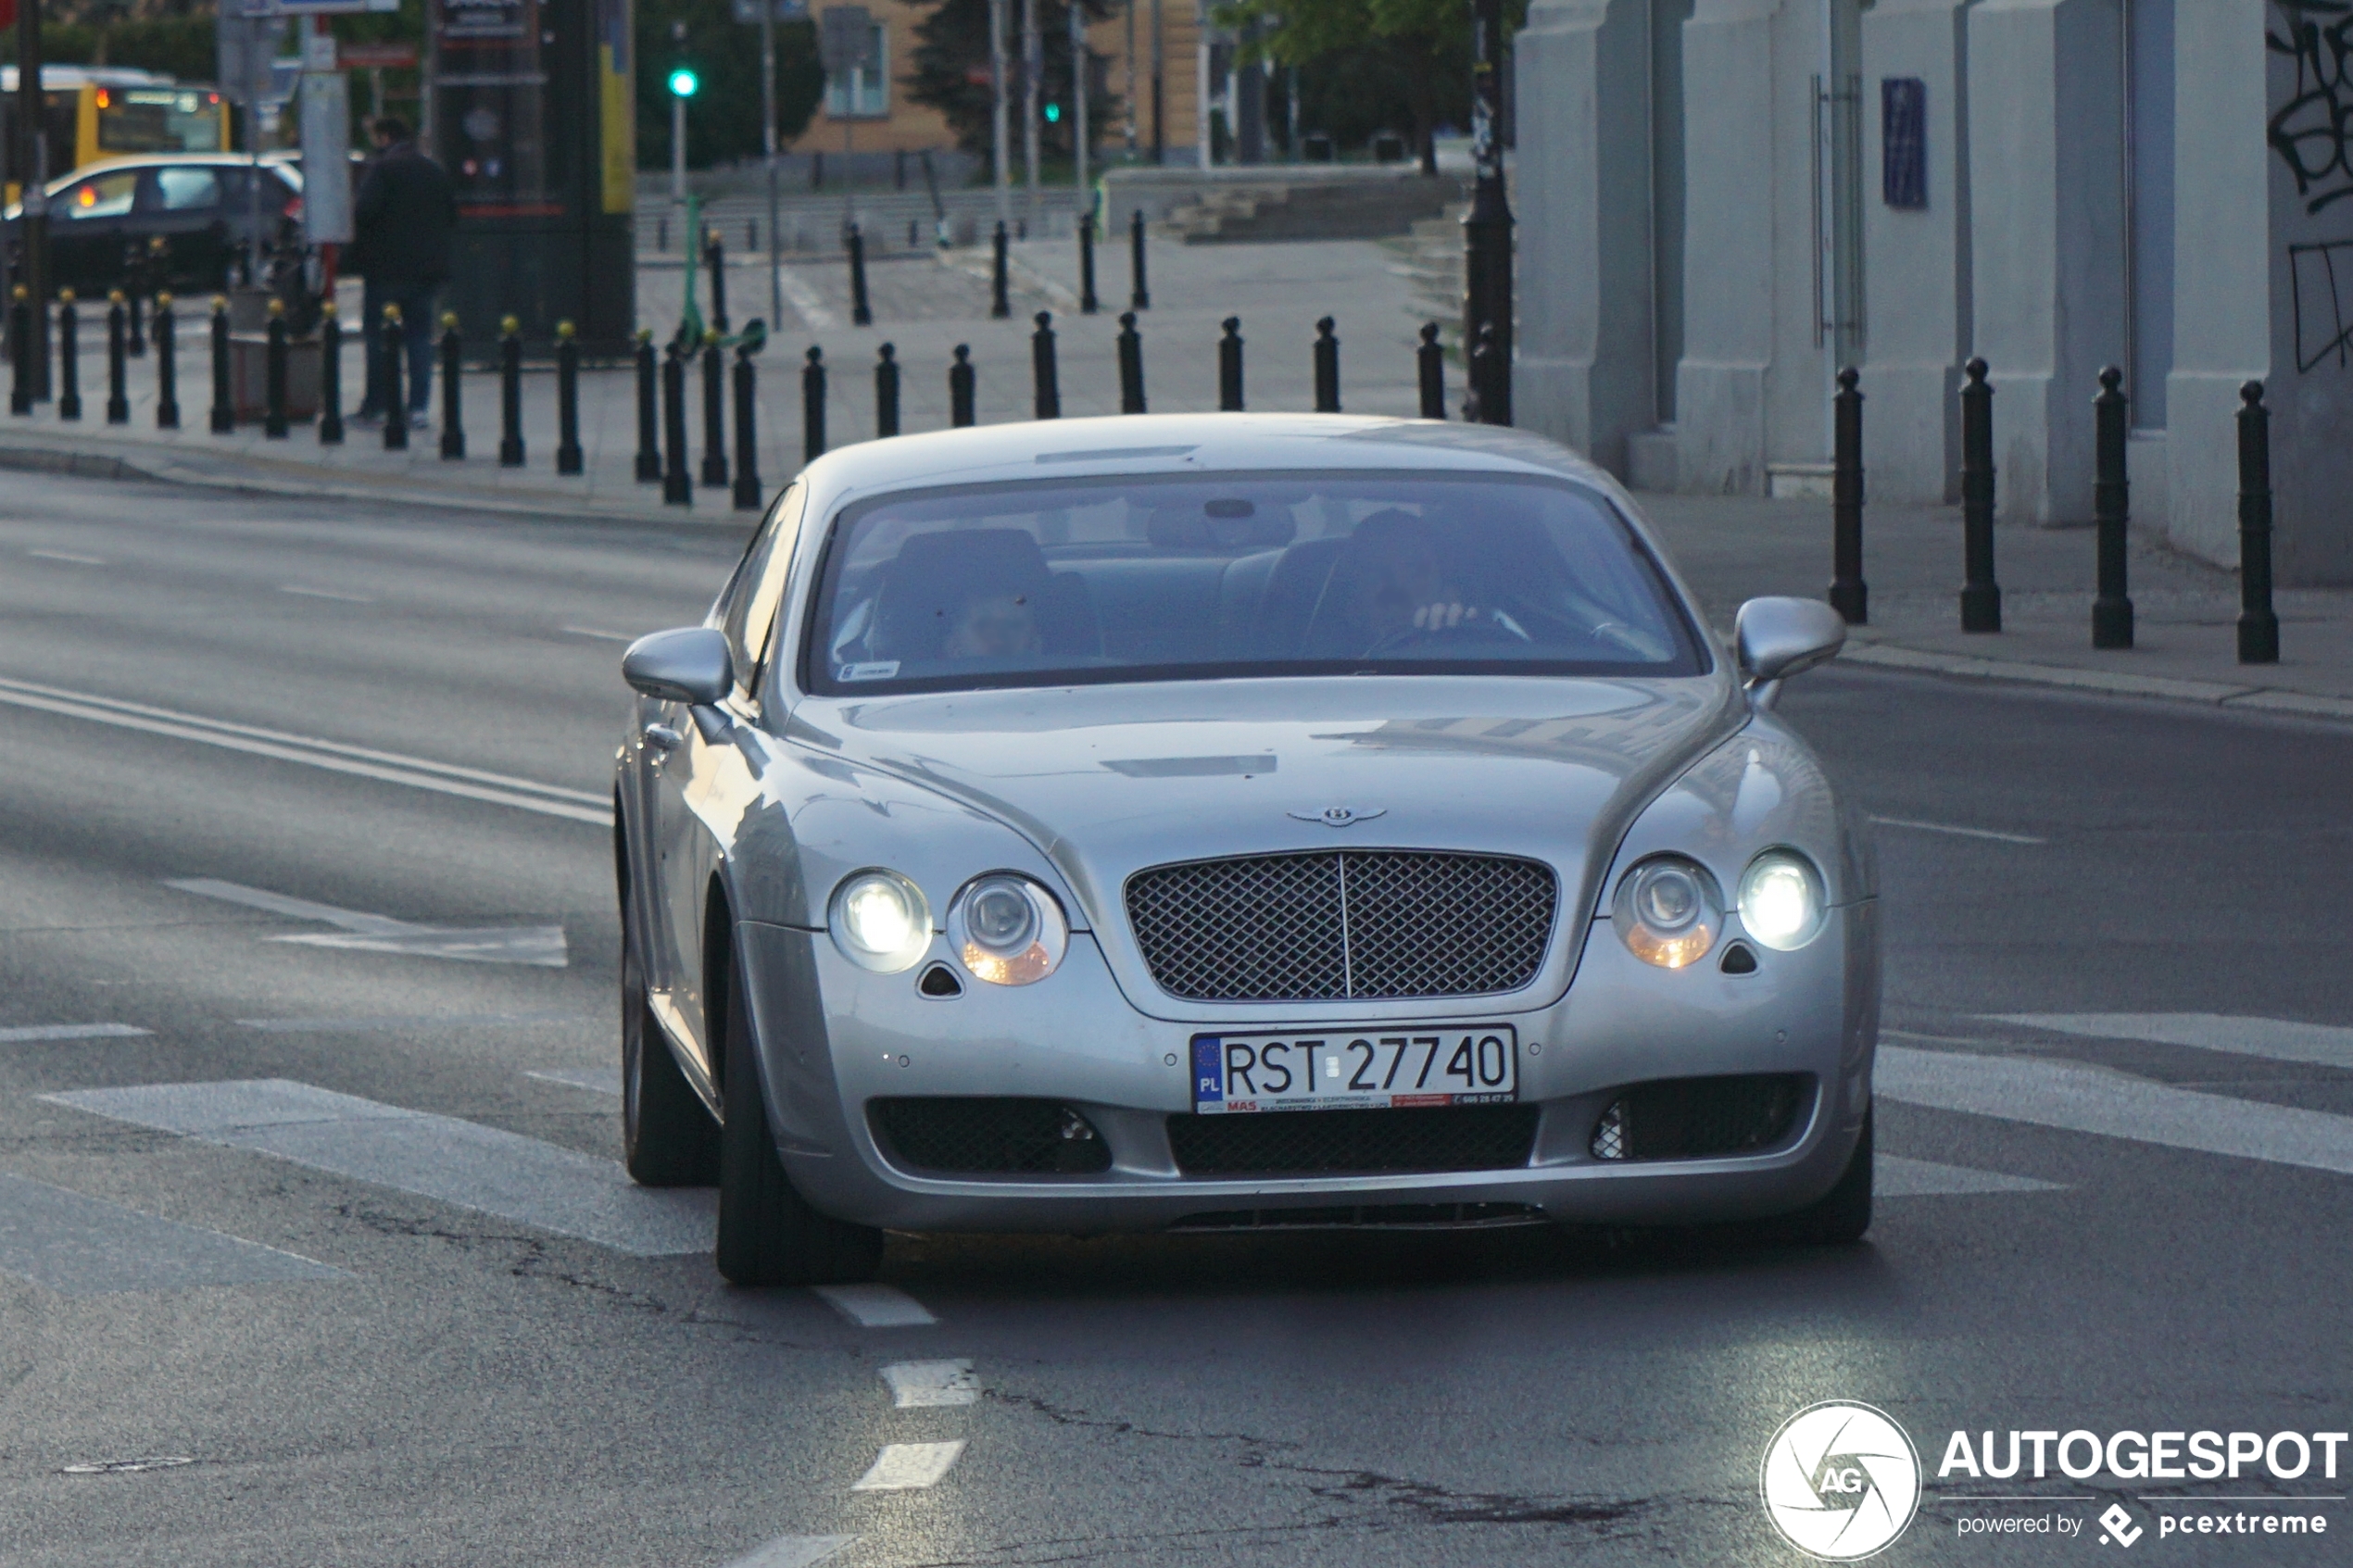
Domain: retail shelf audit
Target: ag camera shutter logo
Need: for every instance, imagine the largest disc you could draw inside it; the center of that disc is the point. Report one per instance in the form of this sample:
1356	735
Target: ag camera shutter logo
1841	1480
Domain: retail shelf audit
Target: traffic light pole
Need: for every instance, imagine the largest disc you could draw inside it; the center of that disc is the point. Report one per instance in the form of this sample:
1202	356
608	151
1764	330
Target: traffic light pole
768	151
1487	230
678	130
33	249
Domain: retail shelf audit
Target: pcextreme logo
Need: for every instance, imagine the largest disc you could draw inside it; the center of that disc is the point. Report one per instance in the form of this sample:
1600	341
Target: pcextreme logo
1840	1480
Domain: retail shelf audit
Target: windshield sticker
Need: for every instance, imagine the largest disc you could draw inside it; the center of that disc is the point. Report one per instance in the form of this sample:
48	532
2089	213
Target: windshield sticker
881	669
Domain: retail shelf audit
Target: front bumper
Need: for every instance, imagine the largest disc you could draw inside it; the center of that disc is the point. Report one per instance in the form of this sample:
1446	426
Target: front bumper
834	1037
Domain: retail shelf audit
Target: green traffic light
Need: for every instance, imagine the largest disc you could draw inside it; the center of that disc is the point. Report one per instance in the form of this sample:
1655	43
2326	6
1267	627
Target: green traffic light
1053	114
683	82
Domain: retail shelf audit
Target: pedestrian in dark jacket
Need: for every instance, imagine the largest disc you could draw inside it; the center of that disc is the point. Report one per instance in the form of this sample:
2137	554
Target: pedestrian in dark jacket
401	224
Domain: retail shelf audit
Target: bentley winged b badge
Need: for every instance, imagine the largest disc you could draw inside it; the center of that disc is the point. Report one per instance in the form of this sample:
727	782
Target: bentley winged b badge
1340	816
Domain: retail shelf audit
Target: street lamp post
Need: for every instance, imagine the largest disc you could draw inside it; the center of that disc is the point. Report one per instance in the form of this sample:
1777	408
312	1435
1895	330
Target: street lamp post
768	155
997	149
32	171
1487	230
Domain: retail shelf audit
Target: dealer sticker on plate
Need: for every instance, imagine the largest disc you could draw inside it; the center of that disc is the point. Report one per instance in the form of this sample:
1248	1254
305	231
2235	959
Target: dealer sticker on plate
1352	1070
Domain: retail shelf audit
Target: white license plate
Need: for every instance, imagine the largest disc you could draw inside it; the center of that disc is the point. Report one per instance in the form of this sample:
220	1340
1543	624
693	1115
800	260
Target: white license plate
1356	1070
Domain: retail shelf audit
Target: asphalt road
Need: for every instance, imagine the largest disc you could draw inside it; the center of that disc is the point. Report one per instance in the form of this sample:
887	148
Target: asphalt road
427	1323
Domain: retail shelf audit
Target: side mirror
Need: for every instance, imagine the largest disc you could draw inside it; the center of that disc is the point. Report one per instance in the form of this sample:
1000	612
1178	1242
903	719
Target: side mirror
1780	637
689	665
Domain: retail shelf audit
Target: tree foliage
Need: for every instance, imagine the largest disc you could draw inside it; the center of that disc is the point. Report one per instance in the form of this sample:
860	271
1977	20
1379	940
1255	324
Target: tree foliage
952	72
722	120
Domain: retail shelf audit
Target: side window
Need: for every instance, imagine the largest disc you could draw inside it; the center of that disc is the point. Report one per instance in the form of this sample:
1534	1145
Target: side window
759	588
186	190
103	195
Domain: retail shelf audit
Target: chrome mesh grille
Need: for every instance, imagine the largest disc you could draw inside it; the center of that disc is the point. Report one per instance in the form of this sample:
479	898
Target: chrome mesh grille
1339	923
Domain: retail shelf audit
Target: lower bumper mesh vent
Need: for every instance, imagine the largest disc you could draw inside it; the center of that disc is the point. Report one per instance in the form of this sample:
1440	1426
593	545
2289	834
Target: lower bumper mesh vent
987	1136
1369	1216
1694	1118
1480	1137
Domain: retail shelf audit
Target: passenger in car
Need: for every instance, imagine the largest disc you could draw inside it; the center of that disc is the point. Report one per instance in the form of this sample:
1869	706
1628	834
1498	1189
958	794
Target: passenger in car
992	625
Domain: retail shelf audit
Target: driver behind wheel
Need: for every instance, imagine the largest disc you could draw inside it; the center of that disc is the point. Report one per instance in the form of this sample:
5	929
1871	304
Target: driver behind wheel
1392	583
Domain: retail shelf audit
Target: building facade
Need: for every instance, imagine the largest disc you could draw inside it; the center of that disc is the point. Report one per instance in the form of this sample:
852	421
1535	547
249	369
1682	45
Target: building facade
1723	201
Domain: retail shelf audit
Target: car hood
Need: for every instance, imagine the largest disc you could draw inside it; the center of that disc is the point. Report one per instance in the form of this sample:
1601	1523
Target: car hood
1108	780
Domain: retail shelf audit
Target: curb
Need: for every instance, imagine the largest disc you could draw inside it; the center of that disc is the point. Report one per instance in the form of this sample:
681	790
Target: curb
2212	694
35	459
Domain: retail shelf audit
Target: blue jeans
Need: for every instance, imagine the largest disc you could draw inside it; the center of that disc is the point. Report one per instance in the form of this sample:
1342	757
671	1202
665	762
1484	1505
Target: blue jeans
417	331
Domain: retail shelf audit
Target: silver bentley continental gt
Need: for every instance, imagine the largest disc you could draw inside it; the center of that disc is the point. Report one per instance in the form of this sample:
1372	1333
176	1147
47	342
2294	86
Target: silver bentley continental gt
1218	821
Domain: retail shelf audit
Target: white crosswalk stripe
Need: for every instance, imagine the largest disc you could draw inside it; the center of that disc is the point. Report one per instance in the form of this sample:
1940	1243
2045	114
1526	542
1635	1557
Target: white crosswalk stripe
33	1033
485	1168
929	1384
906	1467
2089	1099
875	1306
1893	1176
793	1551
2277	1038
77	1245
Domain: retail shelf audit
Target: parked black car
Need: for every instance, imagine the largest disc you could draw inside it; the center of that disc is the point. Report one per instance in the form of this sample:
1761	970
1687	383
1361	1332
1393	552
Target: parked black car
198	204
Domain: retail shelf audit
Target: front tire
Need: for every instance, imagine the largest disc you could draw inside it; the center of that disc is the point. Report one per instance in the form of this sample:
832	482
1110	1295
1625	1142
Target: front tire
1840	1216
667	1138
768	1235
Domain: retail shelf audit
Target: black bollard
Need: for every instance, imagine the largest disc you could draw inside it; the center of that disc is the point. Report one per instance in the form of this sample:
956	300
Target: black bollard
677	486
1327	369
887	391
1087	303
714	411
861	313
511	450
1430	359
453	423
749	493
137	345
812	405
2111	503
224	410
569	458
714	256
1131	365
1980	595
2258	627
1140	298
392	342
118	369
960	388
1044	378
999	306
1849	595
20	339
649	438
69	357
1230	368
273	374
166	335
1480	375
330	373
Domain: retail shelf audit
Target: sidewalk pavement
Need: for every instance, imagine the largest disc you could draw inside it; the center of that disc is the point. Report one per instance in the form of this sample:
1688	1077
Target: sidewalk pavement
924	304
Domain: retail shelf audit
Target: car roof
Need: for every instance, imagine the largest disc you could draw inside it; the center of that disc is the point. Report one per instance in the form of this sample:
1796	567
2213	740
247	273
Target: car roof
276	162
1178	444
60	76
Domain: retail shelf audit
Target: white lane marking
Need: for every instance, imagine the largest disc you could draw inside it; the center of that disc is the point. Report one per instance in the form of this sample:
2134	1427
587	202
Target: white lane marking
875	1306
302	592
922	1385
77	1245
2275	1038
67	556
1959	831
2087	1100
24	1034
804	299
600	1079
592	631
125	1466
793	1551
905	1467
485	1168
539	946
413	1022
417	772
1893	1176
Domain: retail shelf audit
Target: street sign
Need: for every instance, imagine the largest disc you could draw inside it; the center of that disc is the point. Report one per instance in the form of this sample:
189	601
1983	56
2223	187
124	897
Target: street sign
326	157
377	56
315	8
845	39
747	11
243	47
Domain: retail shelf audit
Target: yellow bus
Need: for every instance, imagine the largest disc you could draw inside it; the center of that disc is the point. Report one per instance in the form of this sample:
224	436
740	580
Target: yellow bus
99	111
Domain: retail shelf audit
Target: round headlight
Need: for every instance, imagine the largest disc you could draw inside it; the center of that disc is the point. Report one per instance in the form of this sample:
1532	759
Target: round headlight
1007	929
1781	899
880	922
1667	911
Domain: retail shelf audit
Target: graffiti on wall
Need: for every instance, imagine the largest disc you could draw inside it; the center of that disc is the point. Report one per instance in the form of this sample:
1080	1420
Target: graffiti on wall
2313	130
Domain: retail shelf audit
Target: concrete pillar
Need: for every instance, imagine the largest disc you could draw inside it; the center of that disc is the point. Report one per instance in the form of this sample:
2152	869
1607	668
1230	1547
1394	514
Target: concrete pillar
1917	285
2047	246
1584	370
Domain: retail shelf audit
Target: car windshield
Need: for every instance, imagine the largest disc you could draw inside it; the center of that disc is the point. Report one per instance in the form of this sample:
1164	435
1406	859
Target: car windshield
1239	575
